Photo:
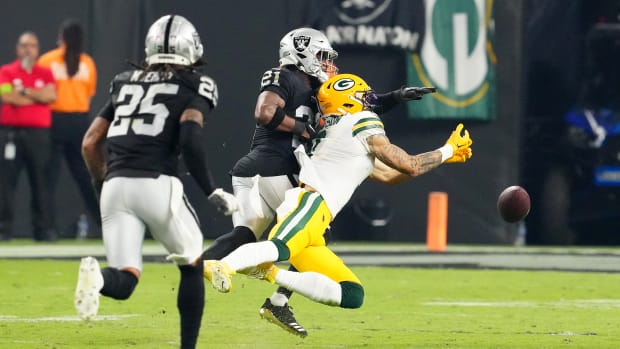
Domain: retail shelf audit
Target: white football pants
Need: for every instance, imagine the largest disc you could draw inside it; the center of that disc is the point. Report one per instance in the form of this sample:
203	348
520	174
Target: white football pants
258	197
130	205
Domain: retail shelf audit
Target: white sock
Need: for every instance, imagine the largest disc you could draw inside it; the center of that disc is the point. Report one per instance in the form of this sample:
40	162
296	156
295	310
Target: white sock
278	299
251	255
315	286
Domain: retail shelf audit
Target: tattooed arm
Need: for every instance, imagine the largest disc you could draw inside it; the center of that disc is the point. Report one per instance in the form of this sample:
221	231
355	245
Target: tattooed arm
385	174
407	166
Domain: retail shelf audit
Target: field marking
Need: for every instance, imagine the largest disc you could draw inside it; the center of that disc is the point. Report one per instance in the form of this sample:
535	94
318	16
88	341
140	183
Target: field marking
579	303
73	318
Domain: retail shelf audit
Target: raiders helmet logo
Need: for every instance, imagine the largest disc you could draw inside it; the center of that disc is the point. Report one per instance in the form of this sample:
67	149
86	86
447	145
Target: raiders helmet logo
301	42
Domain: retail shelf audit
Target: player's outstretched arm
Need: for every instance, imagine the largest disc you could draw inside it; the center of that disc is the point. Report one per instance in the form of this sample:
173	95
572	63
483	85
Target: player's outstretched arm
195	156
381	103
93	150
456	149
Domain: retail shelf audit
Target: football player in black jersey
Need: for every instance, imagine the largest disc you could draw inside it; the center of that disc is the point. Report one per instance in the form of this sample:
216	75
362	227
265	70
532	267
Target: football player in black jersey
153	115
285	115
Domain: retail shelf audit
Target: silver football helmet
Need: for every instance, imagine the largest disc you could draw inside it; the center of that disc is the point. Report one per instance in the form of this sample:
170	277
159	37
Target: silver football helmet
309	50
172	39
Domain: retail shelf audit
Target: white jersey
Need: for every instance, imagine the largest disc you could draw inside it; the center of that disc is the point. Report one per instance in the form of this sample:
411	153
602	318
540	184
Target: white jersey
340	160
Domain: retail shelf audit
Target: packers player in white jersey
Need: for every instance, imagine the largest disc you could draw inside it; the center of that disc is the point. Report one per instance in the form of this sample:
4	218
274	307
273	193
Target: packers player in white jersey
351	146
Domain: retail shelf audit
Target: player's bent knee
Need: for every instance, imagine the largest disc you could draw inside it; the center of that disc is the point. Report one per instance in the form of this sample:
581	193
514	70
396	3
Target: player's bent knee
283	251
352	295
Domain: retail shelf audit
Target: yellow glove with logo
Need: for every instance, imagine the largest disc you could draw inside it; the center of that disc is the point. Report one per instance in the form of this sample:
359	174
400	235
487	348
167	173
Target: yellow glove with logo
460	144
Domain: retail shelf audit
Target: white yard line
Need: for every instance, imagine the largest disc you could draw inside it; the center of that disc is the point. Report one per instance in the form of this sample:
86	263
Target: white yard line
13	318
574	303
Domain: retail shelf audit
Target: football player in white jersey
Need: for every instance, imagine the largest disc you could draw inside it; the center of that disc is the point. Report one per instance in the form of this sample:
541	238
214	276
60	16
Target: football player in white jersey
351	147
285	115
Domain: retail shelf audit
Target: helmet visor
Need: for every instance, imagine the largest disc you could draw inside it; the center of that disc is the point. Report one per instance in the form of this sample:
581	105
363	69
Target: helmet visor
327	62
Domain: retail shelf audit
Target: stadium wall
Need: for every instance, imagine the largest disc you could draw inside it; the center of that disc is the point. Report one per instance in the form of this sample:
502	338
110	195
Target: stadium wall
241	42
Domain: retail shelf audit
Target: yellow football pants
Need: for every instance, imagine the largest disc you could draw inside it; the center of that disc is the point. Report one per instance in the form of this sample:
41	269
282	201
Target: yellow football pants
302	229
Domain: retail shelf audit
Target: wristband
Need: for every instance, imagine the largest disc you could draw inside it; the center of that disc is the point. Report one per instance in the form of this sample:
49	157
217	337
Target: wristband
277	119
446	152
6	88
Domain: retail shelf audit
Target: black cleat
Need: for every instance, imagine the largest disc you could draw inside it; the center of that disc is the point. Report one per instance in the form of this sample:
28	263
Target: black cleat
283	317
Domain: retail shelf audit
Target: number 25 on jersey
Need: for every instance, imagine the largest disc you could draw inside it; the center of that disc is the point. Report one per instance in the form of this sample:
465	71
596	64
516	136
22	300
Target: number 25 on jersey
140	105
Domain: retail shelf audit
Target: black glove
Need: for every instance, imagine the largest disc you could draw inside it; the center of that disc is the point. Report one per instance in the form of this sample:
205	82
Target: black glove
381	103
407	93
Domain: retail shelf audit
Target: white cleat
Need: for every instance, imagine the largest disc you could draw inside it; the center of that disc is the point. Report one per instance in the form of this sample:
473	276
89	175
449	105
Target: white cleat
90	282
220	274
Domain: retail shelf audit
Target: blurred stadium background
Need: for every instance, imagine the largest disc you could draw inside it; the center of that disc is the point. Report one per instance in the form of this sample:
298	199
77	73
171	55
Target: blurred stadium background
539	62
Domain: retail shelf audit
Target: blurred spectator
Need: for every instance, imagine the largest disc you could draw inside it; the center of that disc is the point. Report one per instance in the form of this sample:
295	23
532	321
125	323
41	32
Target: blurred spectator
26	90
76	78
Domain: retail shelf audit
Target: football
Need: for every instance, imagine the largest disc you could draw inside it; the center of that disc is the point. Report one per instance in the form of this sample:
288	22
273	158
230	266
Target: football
513	204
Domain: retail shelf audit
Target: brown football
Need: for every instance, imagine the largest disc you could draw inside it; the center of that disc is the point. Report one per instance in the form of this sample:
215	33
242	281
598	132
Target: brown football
513	204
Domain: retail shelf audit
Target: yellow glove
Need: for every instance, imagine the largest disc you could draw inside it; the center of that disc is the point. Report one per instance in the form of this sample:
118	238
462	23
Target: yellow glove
461	155
460	144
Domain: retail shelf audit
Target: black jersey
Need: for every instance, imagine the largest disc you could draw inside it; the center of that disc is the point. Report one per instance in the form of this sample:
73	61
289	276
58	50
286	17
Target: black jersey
271	153
144	111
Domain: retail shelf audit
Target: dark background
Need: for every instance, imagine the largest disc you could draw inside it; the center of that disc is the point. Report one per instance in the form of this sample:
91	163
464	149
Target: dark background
533	38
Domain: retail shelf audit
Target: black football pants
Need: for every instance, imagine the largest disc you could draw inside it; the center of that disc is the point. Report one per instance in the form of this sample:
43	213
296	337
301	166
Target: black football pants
68	129
32	151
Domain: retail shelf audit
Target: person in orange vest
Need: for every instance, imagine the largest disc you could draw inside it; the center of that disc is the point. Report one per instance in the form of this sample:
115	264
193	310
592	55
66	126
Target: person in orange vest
76	78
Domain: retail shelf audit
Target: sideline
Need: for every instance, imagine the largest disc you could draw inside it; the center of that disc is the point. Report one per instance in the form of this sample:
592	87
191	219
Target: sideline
574	259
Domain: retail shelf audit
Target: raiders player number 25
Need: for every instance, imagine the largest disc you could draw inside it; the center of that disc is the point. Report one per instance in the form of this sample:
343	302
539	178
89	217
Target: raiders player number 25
153	115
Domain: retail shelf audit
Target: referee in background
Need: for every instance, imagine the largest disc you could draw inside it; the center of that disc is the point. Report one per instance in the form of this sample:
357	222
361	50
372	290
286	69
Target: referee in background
76	79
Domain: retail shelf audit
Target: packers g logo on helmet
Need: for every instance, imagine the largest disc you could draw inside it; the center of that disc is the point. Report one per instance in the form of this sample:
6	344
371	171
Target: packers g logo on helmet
342	94
343	84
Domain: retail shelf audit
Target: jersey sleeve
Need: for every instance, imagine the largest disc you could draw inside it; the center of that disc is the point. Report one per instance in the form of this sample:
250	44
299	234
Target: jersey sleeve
201	104
367	126
107	111
278	81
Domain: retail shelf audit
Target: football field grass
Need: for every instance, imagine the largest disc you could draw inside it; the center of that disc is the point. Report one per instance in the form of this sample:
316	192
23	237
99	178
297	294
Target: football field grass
403	308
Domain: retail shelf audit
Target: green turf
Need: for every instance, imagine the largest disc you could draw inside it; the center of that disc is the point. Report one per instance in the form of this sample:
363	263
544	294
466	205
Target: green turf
404	308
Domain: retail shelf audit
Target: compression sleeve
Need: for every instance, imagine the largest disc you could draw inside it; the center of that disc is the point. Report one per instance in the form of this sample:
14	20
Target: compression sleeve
381	103
107	112
195	155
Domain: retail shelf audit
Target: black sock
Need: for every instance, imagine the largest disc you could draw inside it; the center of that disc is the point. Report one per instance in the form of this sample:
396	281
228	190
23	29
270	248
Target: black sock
190	302
228	242
118	284
285	291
